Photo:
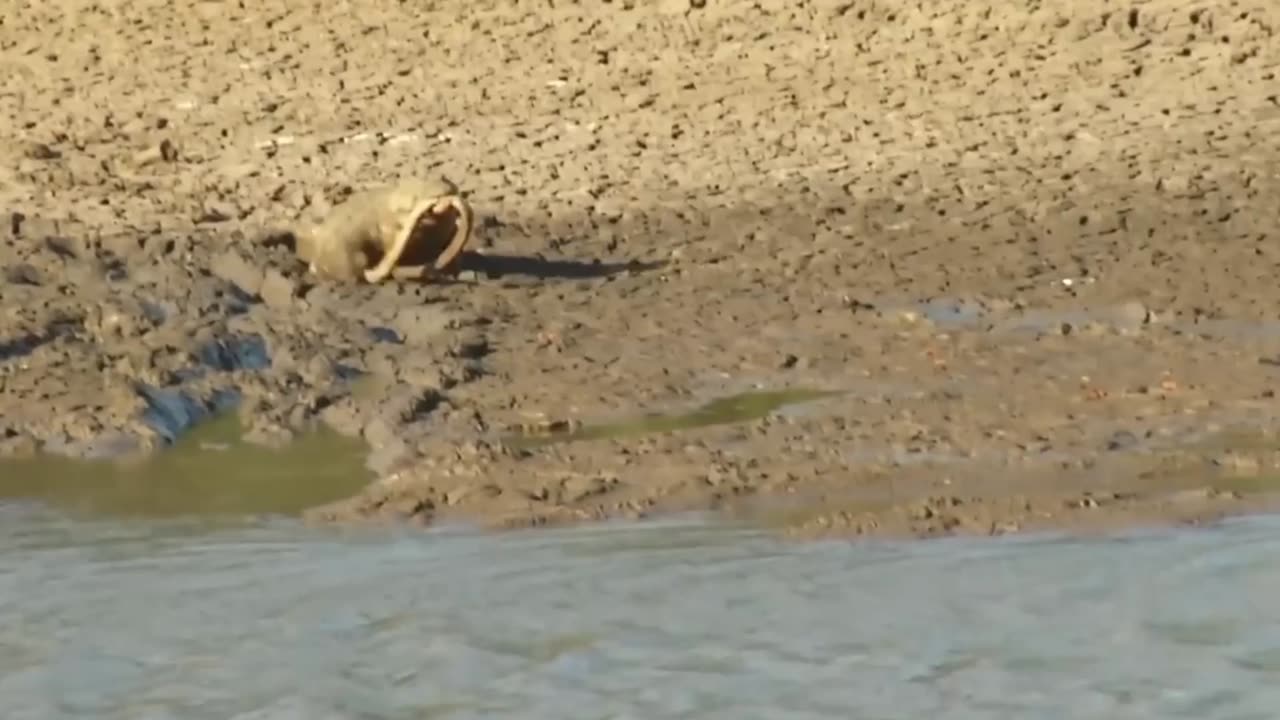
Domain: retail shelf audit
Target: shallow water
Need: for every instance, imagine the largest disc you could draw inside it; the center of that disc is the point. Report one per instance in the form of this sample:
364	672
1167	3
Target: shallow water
735	408
209	471
268	619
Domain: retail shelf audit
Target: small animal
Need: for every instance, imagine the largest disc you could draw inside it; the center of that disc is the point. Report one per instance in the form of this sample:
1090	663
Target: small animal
407	229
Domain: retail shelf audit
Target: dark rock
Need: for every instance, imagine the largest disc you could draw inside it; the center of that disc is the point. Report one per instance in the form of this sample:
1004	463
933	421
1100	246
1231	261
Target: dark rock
170	412
40	151
1122	440
24	274
471	347
235	352
63	247
386	335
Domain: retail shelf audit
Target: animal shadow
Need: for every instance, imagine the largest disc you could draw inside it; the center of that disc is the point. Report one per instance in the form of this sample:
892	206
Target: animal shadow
498	265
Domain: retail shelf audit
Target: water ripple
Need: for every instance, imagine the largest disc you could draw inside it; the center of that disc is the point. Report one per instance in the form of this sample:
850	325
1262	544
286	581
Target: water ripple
273	620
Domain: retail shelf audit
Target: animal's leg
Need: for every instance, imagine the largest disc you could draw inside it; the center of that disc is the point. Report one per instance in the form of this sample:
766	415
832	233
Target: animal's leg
410	272
461	229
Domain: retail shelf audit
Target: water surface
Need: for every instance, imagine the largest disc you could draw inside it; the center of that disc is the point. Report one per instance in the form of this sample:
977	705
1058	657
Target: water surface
209	471
268	619
721	411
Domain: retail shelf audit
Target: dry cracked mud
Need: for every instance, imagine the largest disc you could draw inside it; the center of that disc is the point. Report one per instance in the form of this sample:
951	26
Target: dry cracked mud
1031	248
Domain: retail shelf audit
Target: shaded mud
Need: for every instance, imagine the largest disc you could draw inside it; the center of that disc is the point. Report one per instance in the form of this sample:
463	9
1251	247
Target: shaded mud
1032	247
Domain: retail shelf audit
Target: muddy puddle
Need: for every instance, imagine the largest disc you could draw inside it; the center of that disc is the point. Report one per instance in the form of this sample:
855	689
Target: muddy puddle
1006	317
209	471
740	407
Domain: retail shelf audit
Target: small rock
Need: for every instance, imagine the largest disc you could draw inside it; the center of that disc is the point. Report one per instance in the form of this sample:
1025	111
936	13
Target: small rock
214	214
40	151
579	487
386	335
1131	316
471	347
1121	440
235	269
124	245
111	319
23	274
420	324
456	495
383	458
163	151
379	432
269	434
277	291
18	446
342	418
1237	464
63	247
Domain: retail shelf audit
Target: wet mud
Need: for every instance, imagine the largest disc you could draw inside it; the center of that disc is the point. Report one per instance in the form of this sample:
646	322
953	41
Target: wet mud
1032	250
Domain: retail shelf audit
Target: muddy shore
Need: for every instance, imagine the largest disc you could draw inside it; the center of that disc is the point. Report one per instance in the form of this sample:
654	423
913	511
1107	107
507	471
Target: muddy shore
1031	251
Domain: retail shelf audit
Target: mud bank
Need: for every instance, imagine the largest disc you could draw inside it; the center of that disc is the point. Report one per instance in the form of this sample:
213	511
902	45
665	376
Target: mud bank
1032	250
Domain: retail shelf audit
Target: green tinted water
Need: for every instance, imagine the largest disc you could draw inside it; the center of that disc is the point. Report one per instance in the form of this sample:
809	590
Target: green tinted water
732	409
209	471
